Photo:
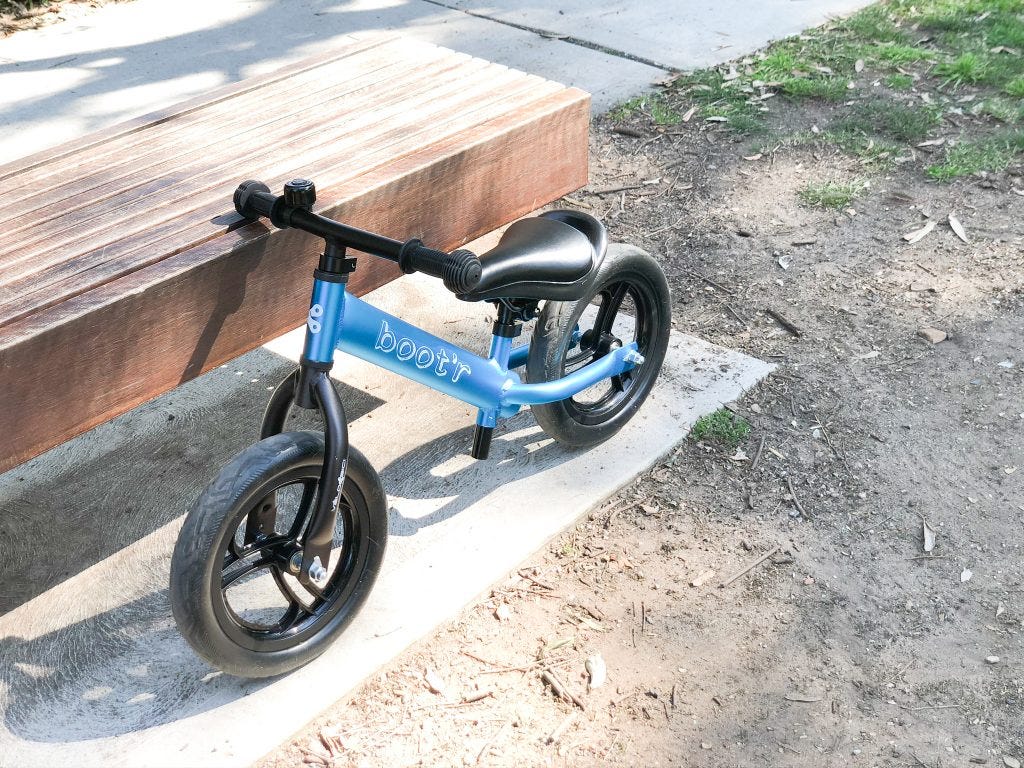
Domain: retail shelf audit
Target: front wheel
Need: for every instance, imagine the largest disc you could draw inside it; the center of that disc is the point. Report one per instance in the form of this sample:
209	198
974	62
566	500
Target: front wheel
628	301
233	591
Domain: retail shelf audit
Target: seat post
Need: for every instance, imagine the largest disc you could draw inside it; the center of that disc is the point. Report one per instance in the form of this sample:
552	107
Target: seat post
506	327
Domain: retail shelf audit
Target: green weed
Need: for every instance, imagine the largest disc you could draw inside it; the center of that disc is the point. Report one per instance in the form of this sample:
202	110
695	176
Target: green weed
990	154
722	426
831	194
1015	87
965	68
899	82
893	120
821	88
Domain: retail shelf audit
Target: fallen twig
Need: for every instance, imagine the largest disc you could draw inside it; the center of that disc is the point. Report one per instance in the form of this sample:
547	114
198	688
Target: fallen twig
777	317
613	190
710	282
757	456
490	742
624	130
749	568
556	734
734	313
549	677
796	501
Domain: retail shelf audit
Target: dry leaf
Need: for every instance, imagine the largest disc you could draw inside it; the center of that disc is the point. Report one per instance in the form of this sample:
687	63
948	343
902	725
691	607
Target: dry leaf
965	575
868	355
1000	610
918	234
758	156
932	143
858	66
957	227
717	119
433	681
929	536
689	113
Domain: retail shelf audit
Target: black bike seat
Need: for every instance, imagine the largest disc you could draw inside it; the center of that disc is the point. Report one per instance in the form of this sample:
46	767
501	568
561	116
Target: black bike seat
552	256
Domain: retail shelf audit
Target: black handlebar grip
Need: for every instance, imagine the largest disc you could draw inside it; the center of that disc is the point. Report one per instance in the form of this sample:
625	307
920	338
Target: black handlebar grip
254	199
460	270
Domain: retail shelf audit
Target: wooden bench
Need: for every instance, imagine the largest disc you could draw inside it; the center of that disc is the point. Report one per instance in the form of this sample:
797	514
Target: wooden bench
125	272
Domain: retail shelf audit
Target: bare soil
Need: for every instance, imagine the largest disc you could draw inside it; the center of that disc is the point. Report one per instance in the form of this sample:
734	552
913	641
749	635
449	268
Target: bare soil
18	15
848	645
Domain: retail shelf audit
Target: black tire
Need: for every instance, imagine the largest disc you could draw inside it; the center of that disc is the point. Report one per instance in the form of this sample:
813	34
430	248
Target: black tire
631	288
281	474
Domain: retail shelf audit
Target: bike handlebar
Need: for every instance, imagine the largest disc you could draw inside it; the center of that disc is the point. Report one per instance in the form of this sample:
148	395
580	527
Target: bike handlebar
460	270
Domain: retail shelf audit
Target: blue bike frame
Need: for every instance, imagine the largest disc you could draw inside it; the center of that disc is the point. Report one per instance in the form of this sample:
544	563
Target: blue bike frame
339	320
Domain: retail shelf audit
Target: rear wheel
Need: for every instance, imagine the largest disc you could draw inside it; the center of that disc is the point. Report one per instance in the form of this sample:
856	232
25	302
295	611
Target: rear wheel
234	593
629	301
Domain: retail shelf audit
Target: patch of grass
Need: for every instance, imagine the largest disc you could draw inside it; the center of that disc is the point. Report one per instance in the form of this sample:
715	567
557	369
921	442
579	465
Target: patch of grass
990	154
965	68
1015	87
821	88
831	194
654	105
899	82
723	427
875	23
894	53
1004	110
718	97
893	120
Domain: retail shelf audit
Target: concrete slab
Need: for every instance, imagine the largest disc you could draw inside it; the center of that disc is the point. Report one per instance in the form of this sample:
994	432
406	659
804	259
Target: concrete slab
673	34
122	61
92	669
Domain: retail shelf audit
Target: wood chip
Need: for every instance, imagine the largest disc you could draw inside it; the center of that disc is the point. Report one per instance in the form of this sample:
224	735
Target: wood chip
918	234
928	535
689	113
703	578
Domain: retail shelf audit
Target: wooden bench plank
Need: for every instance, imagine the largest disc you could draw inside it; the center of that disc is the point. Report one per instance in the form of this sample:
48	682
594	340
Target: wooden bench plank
150	239
216	292
62	236
50	182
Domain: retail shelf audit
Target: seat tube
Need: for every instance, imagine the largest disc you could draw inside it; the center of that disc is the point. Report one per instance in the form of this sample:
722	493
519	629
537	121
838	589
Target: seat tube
505	329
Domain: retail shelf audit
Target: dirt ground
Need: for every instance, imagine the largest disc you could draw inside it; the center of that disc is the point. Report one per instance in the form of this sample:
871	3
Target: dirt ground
845	643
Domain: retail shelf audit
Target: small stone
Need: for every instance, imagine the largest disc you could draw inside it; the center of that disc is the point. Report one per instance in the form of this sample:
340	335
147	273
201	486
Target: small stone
932	335
755	408
705	745
502	612
991	659
1011	762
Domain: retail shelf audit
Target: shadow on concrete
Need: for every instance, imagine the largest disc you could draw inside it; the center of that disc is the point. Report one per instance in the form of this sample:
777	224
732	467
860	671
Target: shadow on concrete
520	449
86	500
126	669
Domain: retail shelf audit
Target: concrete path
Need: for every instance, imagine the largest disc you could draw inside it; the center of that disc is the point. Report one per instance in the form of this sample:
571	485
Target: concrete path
120	61
92	669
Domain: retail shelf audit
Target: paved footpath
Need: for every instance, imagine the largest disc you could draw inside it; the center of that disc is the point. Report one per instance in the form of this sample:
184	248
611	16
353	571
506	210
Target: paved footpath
92	670
120	61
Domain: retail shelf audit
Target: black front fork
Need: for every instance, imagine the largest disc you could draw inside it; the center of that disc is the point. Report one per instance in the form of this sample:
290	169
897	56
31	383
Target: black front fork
310	386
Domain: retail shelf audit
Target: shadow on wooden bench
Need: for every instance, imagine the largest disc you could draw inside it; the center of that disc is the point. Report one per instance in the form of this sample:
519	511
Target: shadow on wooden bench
124	270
